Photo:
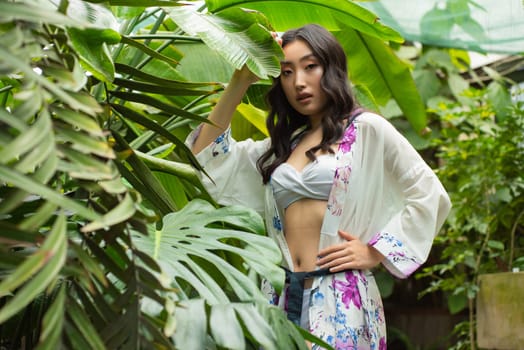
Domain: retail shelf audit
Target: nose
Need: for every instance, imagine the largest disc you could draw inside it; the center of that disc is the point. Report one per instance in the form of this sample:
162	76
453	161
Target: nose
300	80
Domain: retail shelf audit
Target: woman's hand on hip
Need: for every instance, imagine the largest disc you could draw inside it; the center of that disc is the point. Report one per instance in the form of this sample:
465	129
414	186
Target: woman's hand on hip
351	254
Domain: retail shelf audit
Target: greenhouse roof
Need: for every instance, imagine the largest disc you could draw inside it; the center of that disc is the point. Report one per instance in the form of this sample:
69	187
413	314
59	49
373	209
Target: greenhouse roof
490	26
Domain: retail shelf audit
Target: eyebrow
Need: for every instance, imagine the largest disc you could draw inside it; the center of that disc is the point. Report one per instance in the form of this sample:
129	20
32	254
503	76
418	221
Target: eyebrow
304	58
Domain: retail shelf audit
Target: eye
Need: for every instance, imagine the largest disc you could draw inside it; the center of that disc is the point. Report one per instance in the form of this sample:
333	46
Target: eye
311	66
286	72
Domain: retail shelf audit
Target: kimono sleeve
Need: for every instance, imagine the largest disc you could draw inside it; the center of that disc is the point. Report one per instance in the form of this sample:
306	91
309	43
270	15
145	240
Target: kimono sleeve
231	166
422	205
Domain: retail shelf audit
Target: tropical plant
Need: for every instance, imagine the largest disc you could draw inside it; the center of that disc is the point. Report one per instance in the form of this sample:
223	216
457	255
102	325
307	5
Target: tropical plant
481	153
108	238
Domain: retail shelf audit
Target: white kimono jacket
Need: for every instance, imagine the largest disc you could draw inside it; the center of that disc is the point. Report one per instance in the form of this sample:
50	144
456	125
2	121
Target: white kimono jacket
383	192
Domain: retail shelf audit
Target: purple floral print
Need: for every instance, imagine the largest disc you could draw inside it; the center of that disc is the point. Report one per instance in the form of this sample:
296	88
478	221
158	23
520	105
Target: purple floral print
348	139
349	290
396	252
382	344
341	180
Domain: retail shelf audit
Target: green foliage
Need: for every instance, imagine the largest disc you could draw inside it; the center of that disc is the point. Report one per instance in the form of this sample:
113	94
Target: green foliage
241	28
199	228
64	206
379	76
482	162
78	199
102	213
443	17
327	13
382	76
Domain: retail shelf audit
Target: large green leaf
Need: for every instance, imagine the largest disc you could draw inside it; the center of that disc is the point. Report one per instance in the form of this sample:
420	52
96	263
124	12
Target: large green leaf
205	250
255	116
191	330
231	337
500	98
284	15
90	45
375	65
240	36
198	55
195	229
257	326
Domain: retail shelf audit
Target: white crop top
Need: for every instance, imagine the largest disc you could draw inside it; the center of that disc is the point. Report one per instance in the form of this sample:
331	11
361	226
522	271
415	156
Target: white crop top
314	181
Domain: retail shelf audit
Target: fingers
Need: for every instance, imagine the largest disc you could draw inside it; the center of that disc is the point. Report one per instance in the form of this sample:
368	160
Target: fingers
336	262
331	249
344	267
328	258
360	258
245	74
346	235
339	264
351	254
277	38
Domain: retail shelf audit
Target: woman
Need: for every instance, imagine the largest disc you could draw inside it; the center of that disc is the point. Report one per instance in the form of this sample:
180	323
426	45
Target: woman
341	190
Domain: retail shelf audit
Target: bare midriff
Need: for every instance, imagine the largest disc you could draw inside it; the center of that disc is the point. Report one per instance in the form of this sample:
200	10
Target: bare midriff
303	220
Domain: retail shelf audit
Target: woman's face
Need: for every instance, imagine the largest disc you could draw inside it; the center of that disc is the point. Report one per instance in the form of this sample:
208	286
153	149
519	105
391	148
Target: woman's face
300	78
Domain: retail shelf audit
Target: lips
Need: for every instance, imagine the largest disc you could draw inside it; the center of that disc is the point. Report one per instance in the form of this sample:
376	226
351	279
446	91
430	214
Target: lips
304	97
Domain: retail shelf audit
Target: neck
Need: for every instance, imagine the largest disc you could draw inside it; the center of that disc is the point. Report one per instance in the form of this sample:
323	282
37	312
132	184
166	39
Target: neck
315	123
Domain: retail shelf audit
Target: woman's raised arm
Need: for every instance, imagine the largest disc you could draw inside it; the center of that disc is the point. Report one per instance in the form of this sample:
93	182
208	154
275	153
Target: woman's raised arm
222	113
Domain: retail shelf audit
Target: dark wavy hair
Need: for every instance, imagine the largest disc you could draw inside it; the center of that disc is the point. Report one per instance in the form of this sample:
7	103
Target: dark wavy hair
283	120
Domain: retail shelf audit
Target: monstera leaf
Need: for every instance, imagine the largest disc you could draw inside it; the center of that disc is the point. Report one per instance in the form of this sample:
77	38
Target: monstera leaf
207	235
212	258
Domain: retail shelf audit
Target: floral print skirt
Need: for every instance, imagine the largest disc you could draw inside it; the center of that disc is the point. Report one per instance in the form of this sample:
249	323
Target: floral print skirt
345	311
